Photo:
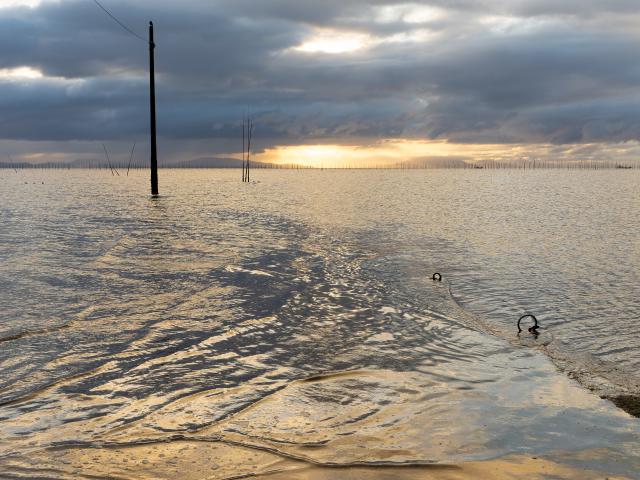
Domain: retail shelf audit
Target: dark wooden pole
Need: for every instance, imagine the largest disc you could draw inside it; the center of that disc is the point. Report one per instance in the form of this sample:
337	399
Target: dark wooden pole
152	109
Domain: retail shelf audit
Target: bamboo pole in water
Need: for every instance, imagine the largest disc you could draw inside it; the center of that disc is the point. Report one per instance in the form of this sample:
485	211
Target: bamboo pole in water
243	149
249	135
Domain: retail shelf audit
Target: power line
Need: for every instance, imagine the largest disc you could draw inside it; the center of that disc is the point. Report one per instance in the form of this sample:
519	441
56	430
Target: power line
118	21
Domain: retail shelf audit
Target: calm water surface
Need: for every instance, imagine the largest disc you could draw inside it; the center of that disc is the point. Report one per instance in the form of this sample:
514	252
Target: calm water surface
292	322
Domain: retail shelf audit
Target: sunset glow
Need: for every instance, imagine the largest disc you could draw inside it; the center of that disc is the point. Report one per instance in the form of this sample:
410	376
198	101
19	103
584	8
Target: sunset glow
394	152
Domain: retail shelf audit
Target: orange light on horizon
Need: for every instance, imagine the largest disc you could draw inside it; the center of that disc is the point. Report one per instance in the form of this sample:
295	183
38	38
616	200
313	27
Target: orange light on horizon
385	153
395	152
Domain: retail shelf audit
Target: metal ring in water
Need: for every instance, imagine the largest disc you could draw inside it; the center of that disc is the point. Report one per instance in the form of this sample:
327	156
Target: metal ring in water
437	276
532	329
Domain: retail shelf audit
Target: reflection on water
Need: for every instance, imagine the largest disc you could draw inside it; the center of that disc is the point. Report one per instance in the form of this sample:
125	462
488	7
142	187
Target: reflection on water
291	325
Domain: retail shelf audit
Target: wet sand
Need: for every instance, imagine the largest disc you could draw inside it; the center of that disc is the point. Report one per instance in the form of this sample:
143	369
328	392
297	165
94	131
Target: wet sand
325	427
193	460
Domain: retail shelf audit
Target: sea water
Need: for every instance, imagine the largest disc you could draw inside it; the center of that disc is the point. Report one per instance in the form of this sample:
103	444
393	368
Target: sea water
293	321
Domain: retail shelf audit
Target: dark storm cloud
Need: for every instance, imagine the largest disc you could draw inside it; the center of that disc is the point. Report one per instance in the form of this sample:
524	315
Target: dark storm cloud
483	71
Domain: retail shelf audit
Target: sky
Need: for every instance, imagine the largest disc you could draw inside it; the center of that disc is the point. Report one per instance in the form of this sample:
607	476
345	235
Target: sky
329	83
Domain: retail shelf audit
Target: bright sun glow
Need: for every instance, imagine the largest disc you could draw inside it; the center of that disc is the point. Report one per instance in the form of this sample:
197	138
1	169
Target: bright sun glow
339	156
388	153
19	73
332	42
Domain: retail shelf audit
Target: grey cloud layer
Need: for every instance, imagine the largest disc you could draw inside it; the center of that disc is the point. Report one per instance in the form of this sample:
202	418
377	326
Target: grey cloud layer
491	71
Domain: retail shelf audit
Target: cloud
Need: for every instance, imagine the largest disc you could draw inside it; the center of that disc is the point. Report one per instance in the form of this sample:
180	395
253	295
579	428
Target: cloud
484	72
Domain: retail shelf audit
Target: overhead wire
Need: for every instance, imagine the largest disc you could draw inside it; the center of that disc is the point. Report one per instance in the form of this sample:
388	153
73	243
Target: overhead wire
113	17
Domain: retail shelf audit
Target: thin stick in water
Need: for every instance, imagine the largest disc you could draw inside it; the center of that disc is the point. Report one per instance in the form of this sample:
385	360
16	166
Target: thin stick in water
250	133
243	149
109	160
131	158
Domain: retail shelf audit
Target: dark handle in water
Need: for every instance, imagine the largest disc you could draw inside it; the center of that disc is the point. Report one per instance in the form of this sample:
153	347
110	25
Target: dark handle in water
437	276
532	329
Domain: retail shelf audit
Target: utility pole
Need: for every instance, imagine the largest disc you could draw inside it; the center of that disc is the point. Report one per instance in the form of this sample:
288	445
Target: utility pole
152	110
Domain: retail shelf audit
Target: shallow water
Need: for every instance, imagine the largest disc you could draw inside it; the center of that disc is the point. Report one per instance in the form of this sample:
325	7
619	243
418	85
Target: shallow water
293	323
